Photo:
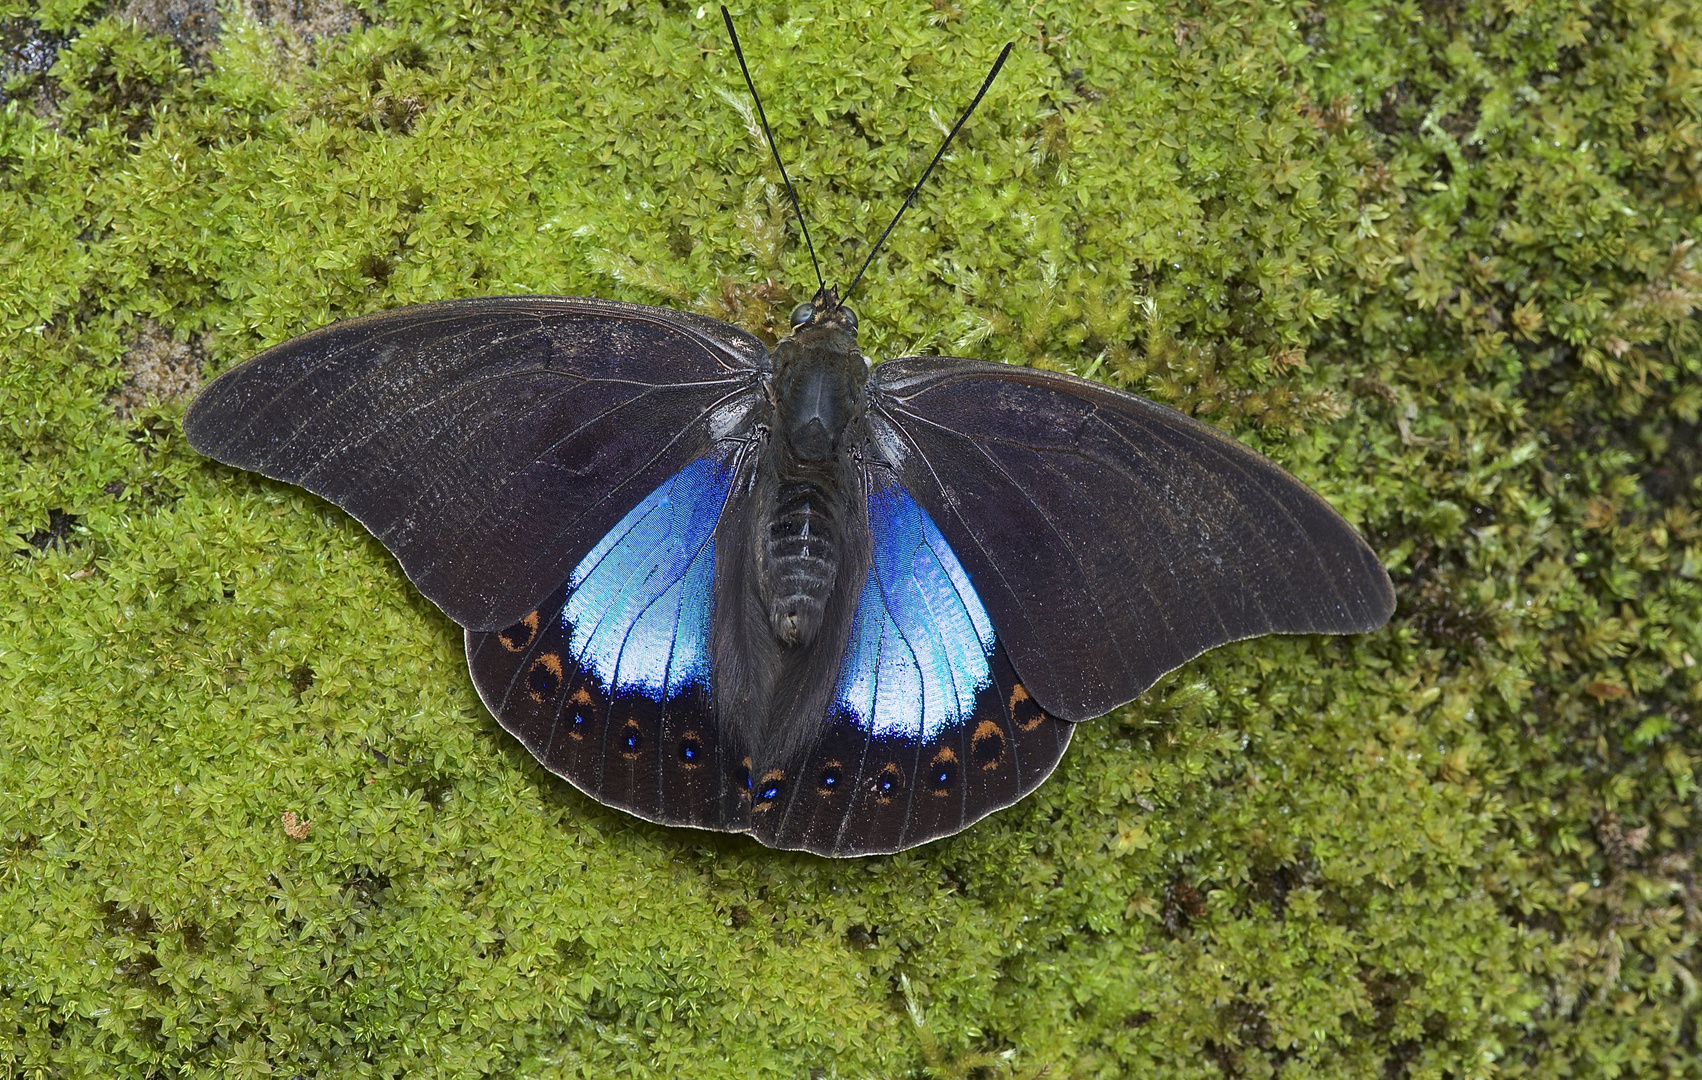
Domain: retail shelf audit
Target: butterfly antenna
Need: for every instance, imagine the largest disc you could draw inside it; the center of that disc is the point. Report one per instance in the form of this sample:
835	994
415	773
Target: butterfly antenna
908	199
769	135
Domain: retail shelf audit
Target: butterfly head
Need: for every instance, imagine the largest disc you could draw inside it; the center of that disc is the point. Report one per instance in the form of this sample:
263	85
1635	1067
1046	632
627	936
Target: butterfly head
825	312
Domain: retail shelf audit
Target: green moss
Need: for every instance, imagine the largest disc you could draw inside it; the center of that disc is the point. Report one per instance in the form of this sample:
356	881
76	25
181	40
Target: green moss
1434	257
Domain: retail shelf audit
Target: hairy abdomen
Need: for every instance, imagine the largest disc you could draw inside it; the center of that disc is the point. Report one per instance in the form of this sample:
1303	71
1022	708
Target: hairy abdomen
800	560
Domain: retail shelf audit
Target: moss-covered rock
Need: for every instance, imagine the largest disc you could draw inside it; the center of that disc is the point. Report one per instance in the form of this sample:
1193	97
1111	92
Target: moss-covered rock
1435	257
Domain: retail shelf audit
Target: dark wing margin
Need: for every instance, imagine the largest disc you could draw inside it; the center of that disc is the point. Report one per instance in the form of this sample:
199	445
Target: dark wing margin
488	443
1111	538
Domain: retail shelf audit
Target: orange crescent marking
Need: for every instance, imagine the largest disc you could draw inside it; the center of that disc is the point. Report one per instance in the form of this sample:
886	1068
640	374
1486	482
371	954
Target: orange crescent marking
582	702
889	769
550	662
691	738
1019	694
530	622
772	776
823	789
630	725
946	756
984	731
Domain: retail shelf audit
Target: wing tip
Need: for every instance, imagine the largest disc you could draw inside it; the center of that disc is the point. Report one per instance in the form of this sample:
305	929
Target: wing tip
198	422
1375	591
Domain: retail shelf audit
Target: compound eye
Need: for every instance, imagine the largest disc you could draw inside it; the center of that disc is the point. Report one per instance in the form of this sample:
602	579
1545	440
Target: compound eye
801	314
849	316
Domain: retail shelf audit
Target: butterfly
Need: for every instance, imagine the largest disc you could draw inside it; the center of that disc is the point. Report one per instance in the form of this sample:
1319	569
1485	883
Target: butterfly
841	607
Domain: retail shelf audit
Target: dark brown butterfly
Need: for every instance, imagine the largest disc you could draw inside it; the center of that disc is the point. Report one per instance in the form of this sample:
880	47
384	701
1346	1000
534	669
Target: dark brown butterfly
840	608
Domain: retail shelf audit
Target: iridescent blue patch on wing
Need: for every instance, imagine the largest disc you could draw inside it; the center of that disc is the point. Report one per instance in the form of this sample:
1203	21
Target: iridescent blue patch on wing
637	611
919	646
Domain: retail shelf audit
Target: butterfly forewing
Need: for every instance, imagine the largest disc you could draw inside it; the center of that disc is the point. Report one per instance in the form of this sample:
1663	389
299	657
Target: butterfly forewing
488	443
1111	538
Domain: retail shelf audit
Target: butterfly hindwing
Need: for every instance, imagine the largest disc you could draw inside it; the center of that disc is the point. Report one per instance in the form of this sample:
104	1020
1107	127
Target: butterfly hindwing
929	727
1111	538
608	682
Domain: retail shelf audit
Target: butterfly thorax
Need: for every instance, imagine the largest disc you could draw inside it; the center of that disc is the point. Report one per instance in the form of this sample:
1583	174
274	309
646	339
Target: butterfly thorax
818	393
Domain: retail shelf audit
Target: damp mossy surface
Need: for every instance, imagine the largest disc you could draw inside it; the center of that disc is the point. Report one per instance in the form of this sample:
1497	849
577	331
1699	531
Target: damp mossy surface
1435	258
